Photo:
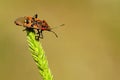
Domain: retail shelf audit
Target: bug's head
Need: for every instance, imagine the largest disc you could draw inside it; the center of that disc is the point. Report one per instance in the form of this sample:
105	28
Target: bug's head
45	26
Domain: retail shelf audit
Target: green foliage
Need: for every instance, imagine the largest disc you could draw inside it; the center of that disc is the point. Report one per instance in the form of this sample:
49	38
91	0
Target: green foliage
38	55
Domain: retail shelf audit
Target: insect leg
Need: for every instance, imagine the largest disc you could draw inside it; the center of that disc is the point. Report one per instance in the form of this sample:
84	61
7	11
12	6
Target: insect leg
38	35
41	35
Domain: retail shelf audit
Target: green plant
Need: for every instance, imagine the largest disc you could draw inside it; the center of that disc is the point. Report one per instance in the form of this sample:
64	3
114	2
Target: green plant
38	55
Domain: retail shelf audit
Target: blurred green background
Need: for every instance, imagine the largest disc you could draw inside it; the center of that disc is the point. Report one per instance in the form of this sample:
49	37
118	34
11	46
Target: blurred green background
88	47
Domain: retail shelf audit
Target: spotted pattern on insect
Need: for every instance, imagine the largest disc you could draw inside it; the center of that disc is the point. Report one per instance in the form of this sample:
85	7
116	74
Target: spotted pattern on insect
34	23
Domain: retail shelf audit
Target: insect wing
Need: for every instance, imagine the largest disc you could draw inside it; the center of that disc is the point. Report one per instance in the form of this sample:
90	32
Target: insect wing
20	21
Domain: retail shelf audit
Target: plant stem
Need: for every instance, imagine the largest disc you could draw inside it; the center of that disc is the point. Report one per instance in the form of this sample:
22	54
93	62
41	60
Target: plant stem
38	55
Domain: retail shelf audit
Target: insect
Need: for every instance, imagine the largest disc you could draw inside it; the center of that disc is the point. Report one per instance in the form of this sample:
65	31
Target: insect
34	23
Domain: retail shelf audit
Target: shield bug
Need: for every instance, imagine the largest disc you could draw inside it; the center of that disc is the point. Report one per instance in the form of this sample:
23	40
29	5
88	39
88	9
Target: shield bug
36	24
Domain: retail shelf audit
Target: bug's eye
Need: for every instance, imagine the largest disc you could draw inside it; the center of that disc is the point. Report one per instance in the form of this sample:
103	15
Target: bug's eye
26	21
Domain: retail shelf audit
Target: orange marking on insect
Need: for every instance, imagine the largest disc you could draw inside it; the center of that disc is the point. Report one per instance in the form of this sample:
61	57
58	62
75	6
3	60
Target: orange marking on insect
34	23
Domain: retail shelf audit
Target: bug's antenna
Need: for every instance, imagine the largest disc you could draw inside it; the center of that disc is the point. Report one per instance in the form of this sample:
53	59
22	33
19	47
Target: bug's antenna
54	33
35	16
58	26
